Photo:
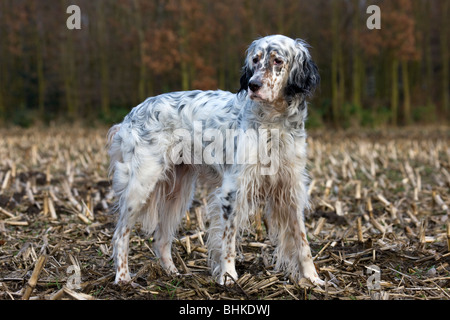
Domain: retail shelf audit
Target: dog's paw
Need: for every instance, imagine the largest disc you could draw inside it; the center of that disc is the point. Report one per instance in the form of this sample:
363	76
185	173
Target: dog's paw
169	267
228	278
125	286
315	280
122	279
172	271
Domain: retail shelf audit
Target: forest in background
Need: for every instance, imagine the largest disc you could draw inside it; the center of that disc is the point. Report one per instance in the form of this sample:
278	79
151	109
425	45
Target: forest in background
127	50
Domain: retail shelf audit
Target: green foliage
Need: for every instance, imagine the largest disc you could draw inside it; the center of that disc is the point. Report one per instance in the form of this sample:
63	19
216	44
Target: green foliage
315	117
115	115
23	118
351	115
373	118
425	114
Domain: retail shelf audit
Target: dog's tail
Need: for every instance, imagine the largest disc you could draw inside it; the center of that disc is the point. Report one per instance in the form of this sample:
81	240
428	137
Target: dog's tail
111	133
113	145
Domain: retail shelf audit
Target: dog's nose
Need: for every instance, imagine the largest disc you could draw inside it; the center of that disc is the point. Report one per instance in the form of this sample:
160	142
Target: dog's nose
254	85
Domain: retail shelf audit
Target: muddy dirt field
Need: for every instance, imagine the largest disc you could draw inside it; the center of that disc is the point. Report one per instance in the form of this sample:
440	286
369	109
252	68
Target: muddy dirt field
379	227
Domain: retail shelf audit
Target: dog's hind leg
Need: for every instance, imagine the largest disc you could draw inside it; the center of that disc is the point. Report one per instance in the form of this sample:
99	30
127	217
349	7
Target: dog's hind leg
177	200
134	179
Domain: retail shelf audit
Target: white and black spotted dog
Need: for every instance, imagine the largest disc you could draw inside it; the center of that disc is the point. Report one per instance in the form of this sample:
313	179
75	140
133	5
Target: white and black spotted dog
169	141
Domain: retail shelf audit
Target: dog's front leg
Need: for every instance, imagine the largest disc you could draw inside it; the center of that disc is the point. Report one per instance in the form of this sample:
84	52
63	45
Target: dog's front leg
228	255
293	252
305	259
228	243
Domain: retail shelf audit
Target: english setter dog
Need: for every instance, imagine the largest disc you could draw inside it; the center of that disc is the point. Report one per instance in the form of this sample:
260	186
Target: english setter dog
169	141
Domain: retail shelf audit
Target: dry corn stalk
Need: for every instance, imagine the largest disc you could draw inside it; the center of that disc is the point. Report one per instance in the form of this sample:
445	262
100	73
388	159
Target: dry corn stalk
34	277
438	200
258	224
319	227
448	235
359	227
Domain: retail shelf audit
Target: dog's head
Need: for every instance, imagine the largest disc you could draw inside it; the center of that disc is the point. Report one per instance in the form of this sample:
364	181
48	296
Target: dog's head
278	68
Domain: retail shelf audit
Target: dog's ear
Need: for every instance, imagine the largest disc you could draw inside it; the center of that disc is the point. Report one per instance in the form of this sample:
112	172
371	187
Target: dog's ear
304	75
247	73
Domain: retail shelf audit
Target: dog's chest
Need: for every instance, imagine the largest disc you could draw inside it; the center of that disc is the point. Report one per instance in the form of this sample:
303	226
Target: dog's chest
280	164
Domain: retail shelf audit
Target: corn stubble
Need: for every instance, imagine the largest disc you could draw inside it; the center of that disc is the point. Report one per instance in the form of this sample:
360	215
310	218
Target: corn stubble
380	198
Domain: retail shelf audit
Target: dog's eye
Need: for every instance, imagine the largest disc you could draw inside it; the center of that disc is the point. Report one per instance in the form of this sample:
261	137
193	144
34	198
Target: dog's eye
255	60
277	61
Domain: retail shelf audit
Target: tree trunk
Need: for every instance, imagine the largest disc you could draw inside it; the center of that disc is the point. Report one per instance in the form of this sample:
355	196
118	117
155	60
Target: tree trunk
406	93
39	45
335	59
3	57
68	70
2	99
142	85
40	75
445	58
185	81
428	57
394	91
280	16
103	57
357	64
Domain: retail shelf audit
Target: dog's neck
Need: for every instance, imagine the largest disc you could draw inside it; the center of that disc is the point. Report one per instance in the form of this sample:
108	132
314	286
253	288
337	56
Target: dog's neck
287	115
